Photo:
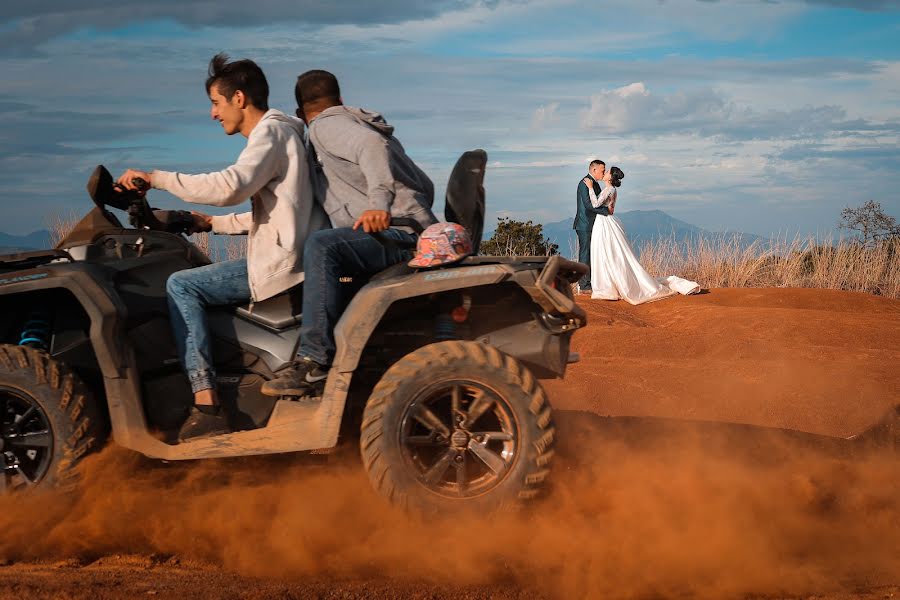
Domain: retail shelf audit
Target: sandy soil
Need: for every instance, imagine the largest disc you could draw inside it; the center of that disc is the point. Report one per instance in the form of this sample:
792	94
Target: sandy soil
649	498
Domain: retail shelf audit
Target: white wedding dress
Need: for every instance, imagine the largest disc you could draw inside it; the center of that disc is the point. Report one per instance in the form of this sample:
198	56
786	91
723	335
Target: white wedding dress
616	273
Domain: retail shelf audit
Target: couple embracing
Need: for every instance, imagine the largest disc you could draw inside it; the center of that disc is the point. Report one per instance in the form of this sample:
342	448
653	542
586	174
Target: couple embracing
615	272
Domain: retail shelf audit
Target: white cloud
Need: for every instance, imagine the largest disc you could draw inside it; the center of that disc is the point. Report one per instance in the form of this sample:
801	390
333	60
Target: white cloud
707	113
545	115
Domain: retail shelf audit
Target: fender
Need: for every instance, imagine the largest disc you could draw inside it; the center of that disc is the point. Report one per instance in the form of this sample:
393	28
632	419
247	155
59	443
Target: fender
102	305
368	307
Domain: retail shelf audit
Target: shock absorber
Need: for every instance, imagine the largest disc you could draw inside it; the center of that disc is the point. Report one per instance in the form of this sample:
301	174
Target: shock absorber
36	331
444	328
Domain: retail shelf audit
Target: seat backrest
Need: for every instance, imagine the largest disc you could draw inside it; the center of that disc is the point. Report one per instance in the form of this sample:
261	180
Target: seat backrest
465	194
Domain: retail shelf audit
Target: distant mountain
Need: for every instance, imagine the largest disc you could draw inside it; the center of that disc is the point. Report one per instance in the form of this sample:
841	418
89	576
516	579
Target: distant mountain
37	240
642	226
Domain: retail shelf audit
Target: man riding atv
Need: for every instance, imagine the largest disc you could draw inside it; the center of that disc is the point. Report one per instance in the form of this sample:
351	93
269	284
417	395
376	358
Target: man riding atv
368	179
433	367
273	170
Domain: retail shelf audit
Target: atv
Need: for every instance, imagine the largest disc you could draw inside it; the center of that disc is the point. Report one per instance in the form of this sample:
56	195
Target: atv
436	370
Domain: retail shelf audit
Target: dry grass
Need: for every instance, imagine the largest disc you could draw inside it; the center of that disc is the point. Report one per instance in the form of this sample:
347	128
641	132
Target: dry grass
719	262
60	225
234	247
806	263
201	240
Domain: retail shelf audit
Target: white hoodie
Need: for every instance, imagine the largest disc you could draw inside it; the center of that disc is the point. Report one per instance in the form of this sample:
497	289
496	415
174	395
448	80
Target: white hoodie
273	170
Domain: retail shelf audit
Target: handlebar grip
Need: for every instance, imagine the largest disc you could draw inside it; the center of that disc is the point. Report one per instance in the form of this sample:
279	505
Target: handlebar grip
140	184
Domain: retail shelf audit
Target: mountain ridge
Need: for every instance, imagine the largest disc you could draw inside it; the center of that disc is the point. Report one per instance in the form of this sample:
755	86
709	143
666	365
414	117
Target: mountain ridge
641	226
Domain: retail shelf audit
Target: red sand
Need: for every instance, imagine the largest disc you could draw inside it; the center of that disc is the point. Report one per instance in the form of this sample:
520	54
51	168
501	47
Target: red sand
639	508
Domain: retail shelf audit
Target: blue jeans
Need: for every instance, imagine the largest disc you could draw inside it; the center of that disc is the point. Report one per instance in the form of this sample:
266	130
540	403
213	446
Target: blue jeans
330	254
190	292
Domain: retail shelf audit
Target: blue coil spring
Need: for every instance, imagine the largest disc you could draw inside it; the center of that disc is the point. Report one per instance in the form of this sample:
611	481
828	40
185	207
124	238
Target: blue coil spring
444	328
36	332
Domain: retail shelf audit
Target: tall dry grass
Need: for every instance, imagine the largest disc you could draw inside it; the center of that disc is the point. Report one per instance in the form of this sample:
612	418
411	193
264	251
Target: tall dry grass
201	240
232	247
805	263
60	225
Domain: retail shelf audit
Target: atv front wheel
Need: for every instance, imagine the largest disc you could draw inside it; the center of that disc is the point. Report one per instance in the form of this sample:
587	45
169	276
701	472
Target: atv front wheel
457	425
48	420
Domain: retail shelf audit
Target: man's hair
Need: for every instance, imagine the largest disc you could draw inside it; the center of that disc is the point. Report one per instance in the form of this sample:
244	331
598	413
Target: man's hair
317	85
595	162
244	75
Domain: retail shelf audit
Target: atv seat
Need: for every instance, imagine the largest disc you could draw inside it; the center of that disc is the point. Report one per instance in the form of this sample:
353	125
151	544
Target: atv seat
465	194
278	312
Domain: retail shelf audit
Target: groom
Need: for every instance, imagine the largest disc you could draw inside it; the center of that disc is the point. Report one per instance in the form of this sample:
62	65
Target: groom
585	214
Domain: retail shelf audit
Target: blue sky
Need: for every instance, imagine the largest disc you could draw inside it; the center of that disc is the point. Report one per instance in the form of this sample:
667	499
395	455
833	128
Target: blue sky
759	116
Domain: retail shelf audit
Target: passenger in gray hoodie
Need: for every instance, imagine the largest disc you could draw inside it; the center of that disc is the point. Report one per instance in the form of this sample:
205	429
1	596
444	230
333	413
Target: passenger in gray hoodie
366	180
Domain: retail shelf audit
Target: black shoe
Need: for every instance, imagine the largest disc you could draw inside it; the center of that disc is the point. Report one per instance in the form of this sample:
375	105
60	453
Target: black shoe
205	422
303	378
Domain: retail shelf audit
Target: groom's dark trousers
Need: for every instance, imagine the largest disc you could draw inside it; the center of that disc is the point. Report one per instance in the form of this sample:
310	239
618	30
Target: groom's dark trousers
585	214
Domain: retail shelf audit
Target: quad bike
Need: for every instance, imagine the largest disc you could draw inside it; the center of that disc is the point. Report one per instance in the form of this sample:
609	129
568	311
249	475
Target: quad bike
436	370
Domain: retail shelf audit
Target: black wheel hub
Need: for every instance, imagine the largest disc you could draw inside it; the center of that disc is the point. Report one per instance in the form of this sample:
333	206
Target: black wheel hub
26	440
459	438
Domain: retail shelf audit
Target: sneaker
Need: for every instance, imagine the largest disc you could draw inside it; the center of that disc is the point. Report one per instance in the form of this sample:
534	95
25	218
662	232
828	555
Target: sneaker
303	378
200	424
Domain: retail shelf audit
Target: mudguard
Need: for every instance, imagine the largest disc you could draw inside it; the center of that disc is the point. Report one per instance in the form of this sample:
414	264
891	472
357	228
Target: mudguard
102	305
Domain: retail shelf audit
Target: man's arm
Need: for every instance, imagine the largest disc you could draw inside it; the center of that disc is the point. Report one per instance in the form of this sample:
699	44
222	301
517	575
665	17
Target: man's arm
255	167
584	198
232	224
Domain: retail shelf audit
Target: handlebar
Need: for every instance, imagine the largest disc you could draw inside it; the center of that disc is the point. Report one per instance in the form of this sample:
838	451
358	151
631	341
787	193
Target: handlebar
104	191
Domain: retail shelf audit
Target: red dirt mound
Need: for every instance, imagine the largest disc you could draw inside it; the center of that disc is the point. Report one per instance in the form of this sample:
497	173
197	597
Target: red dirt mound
820	361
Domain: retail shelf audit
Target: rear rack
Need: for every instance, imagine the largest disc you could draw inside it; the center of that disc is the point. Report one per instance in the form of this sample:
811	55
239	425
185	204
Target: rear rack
571	272
29	260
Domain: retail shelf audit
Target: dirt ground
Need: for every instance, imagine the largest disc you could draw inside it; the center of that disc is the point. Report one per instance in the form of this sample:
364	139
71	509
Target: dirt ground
649	497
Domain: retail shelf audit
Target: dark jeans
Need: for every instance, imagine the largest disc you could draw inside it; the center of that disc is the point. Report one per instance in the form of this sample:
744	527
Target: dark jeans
584	255
330	254
189	293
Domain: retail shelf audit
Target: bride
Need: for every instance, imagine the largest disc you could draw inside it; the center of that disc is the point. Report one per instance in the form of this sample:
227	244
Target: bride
615	271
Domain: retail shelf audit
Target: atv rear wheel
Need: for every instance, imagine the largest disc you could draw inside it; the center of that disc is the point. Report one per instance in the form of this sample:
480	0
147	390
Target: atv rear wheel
457	425
48	420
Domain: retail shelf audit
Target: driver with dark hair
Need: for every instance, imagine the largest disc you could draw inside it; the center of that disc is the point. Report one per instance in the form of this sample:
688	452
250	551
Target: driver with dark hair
273	171
367	180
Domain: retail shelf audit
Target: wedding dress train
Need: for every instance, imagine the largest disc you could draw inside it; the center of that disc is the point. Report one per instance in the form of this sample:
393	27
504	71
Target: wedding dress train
616	273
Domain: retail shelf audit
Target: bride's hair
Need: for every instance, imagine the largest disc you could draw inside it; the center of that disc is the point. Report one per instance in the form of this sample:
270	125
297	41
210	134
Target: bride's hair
616	176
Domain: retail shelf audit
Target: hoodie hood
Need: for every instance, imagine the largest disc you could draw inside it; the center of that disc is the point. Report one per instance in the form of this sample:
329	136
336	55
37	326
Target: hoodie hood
294	122
372	119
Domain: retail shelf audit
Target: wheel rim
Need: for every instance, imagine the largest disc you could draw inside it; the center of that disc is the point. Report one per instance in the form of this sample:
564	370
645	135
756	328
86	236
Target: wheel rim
459	438
26	440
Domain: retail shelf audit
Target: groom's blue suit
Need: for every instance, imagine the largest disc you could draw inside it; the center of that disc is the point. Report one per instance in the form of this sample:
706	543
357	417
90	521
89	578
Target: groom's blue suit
585	214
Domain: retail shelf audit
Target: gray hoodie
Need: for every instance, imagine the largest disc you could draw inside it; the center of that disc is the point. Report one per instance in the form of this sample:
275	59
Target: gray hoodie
366	168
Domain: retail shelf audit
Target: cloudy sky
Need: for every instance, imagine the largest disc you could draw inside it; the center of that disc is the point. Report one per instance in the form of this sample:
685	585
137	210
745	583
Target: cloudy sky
757	115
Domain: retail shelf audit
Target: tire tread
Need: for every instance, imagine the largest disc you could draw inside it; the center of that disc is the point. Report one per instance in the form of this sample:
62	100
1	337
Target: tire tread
446	354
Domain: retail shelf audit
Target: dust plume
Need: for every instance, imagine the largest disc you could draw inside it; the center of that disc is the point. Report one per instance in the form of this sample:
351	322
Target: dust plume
637	508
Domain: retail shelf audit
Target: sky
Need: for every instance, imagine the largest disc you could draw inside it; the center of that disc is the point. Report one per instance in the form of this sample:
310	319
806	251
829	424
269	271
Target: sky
761	116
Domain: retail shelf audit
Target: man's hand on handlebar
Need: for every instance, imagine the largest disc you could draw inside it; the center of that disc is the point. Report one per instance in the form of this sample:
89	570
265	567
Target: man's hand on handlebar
202	223
373	221
128	177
